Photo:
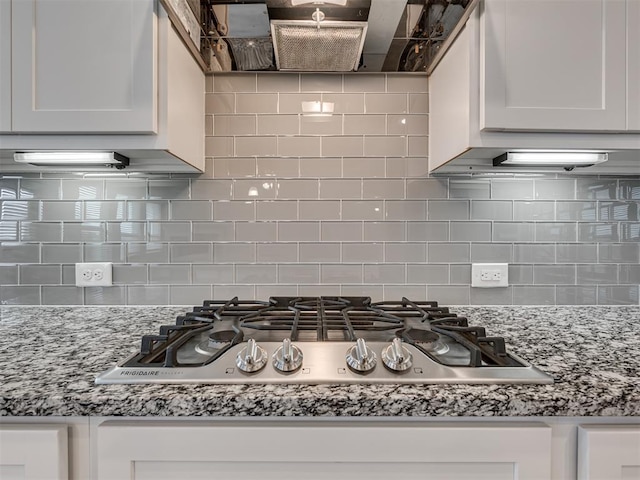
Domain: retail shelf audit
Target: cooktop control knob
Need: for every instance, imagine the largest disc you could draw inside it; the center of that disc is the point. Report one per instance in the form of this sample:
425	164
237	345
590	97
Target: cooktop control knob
361	358
396	357
251	358
288	357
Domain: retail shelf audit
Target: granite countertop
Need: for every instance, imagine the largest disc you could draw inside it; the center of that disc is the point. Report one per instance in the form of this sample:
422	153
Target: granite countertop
51	355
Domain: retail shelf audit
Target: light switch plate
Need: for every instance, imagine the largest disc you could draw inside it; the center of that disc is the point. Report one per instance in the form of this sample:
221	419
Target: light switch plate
94	274
489	275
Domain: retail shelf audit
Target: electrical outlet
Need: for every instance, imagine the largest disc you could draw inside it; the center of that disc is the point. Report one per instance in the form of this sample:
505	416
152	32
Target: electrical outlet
94	274
489	275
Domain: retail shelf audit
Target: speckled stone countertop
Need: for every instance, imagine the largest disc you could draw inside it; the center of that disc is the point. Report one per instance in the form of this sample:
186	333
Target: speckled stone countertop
50	356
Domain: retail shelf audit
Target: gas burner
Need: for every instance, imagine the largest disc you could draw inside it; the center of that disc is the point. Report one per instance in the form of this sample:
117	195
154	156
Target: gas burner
216	341
425	339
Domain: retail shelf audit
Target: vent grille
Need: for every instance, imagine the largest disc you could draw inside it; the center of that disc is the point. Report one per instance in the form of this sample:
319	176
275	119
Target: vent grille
302	46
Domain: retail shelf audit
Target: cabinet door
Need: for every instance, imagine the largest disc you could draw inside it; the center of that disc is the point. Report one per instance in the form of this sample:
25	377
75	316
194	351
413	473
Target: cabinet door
609	452
633	65
84	66
553	65
33	452
143	451
5	66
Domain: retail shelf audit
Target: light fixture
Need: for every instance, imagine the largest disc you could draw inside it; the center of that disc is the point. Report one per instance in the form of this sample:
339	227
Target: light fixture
72	158
548	158
295	3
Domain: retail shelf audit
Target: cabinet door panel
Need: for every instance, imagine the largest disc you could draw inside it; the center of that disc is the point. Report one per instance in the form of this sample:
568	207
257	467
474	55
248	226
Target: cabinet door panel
86	66
33	452
609	452
554	65
5	66
633	65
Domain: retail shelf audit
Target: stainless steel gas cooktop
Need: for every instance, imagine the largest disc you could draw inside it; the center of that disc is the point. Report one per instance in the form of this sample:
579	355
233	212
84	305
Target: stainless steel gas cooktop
314	340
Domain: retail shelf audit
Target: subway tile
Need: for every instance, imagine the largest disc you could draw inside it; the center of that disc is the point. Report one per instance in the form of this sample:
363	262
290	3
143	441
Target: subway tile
234	82
362	252
54	253
208	125
554	274
298	189
189	294
148	295
323	167
40	274
340	189
169	231
491	252
448	210
346	102
130	274
190	253
362	210
406	167
555	189
520	274
190	210
9	232
374	291
619	253
598	232
82	189
277	210
342	146
211	190
533	211
129	190
234	210
62	295
394	292
281	124
69	274
556	232
362	82
9	274
126	232
513	232
282	82
258	145
399	82
9	188
234	167
19	295
298	231
366	125
291	103
256	231
213	231
492	296
418	103
319	209
169	274
592	188
426	188
534	253
512	189
385	146
109	210
324	252
576	295
592	274
576	253
219	147
371	167
428	231
618	212
534	295
57	211
39	232
278	252
471	189
428	274
299	274
449	294
318	82
448	253
243	292
405	252
418	146
213	274
386	103
387	274
148	253
231	125
341	273
105	252
627	189
341	231
630	232
278	167
461	274
470	231
256	274
406	210
321	125
208	83
298	146
257	103
500	210
234	253
220	103
105	295
84	232
253	189
407	124
145	210
386	189
581	211
629	274
618	295
39	189
386	231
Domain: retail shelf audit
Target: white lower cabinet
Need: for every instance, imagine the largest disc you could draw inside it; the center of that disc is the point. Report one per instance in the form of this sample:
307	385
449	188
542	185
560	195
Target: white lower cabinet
319	451
609	452
33	452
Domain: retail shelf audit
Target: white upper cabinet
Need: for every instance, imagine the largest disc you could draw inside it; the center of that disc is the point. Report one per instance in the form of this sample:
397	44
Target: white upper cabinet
555	65
82	66
633	59
5	66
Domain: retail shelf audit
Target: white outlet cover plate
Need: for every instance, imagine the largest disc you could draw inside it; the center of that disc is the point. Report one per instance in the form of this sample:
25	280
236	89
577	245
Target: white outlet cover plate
98	274
492	270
